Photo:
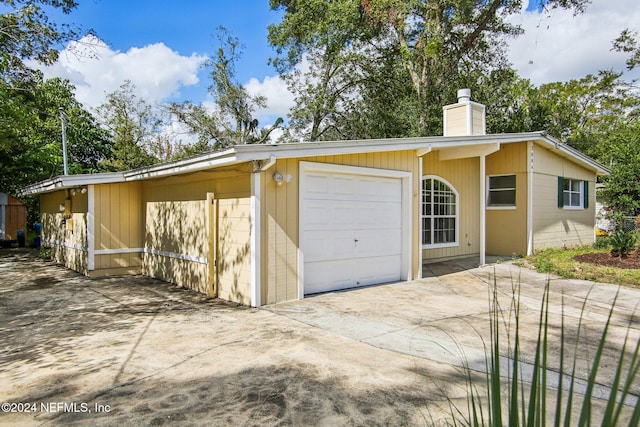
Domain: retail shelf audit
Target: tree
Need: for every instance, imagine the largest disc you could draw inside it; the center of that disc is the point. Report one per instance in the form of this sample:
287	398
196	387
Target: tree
441	45
30	132
133	127
27	33
629	42
231	120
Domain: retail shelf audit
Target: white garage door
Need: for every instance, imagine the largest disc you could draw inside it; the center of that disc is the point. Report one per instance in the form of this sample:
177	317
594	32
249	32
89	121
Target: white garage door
351	228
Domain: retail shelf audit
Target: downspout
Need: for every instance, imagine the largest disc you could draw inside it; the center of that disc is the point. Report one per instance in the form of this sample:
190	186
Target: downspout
483	210
530	199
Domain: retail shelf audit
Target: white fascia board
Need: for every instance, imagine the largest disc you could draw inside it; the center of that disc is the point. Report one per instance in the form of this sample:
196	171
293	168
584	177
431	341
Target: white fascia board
572	153
70	181
192	164
328	148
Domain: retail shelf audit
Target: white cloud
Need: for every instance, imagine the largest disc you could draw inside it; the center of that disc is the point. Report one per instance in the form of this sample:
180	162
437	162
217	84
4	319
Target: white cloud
559	46
279	99
95	69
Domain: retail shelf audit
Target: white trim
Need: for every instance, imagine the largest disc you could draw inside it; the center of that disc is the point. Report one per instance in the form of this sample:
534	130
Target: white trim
91	209
255	245
580	192
65	244
248	152
118	251
530	169
200	260
406	200
515	189
483	210
469	109
456	243
501	208
2	222
420	252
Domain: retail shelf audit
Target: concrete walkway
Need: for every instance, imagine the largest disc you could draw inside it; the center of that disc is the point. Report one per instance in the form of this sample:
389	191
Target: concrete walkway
137	351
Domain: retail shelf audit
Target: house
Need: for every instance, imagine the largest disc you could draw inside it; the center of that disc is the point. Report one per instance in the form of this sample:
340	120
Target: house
13	218
260	224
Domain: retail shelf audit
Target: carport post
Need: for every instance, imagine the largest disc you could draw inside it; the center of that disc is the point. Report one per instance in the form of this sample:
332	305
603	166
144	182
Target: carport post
483	209
255	238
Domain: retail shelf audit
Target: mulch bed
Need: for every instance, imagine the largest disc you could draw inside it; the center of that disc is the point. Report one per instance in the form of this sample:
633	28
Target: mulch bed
630	262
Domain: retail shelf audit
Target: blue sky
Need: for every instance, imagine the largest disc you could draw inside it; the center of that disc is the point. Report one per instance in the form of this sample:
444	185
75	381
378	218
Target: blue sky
159	45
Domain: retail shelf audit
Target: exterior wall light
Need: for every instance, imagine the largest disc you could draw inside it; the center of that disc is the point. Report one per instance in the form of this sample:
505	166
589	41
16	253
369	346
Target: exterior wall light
279	178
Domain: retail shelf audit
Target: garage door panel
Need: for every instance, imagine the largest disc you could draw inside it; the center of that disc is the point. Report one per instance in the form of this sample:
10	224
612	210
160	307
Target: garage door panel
378	189
374	270
328	245
379	215
328	276
368	245
351	229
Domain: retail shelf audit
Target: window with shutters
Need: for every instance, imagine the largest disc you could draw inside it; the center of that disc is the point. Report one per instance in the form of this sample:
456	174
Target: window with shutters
573	193
439	213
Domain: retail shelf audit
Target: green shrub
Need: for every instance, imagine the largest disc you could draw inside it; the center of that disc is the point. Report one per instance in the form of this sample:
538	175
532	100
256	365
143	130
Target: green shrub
622	243
602	242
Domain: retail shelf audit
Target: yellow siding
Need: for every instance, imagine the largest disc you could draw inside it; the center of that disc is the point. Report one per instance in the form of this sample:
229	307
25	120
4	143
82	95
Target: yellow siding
178	229
463	175
118	223
176	243
510	160
65	232
554	226
280	206
234	245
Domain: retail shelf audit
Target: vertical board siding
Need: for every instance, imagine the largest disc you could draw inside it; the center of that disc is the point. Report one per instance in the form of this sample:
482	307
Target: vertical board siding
67	238
177	231
175	238
118	221
463	174
555	226
234	249
510	160
280	210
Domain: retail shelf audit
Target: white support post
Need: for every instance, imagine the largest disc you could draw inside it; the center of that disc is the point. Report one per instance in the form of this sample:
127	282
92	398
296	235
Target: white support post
255	239
530	200
91	209
483	210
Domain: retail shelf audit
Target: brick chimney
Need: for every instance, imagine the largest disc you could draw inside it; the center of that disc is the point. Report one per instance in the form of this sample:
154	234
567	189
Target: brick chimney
464	118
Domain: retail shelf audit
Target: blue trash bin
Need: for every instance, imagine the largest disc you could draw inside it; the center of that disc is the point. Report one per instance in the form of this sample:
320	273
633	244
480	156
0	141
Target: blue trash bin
36	242
38	228
21	238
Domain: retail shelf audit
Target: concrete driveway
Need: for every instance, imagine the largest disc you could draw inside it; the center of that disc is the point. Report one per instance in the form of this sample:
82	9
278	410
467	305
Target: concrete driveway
136	351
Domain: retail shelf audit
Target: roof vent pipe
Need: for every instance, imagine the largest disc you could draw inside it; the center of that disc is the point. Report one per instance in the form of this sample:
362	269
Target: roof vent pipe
464	95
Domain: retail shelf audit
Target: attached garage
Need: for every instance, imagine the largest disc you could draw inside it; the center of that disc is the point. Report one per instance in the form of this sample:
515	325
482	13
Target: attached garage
354	226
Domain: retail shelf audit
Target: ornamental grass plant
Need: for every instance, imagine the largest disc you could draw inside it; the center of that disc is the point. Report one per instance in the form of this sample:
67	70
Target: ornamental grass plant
551	388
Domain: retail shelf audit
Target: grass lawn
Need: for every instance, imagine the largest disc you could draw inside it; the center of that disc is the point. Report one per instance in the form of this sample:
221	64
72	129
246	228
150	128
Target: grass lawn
562	263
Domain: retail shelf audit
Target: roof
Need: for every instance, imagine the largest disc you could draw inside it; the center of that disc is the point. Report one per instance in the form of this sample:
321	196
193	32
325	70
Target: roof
271	152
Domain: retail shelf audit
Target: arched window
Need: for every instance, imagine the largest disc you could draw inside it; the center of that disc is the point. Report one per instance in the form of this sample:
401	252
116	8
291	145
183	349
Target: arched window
439	213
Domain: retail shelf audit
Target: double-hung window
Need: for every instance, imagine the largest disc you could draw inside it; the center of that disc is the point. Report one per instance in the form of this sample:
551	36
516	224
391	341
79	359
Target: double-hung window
439	213
502	191
573	193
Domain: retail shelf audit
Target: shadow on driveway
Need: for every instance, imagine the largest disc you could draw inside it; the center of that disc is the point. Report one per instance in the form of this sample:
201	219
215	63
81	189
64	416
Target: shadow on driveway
138	351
